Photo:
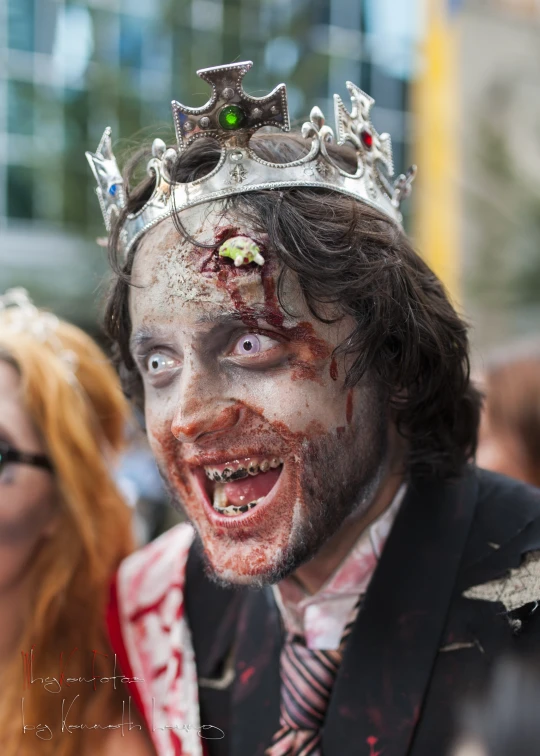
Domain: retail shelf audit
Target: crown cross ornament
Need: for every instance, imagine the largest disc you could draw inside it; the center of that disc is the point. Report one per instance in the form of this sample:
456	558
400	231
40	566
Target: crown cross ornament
232	117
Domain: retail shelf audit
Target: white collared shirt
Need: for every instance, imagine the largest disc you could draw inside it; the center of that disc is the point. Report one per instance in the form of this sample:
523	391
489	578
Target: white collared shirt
321	617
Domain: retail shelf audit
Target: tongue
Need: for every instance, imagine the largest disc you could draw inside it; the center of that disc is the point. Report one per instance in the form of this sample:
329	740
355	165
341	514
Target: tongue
250	489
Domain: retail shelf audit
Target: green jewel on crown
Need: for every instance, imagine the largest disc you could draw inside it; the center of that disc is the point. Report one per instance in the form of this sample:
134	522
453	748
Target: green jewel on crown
231	117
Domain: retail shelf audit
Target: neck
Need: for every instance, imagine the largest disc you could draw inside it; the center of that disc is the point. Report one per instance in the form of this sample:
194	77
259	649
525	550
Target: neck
316	572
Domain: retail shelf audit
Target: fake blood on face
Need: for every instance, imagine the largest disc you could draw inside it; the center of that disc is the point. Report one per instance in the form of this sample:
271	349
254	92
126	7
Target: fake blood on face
232	547
251	543
228	277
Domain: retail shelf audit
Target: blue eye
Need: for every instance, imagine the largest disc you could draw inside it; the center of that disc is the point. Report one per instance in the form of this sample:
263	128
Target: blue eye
158	362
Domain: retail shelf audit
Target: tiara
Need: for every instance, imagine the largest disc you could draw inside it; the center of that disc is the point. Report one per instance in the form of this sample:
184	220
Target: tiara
231	117
20	315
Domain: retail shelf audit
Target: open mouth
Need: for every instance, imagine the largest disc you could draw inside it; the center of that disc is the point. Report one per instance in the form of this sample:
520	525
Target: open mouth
233	488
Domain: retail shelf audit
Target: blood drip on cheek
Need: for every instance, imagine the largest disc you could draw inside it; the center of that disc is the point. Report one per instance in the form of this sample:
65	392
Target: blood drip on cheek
333	369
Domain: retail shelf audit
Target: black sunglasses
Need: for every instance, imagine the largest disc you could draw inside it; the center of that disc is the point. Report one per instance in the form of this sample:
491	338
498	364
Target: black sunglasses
10	454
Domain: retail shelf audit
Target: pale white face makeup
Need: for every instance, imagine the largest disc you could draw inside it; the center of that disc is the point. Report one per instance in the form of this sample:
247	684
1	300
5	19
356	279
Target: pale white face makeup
246	408
27	493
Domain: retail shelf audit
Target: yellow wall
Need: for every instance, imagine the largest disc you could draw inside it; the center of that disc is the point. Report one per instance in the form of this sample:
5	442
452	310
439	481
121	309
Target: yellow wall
437	154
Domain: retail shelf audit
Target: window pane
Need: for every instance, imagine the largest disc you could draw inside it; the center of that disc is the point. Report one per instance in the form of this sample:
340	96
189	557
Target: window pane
131	40
19	192
75	198
21	24
129	115
105	37
20	107
75	119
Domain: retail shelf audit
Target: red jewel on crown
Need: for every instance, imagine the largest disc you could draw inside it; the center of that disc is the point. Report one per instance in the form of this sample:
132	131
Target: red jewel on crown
367	139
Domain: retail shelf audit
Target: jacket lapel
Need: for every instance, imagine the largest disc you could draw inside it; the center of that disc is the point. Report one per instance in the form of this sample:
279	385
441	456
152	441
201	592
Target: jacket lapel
212	614
256	690
380	688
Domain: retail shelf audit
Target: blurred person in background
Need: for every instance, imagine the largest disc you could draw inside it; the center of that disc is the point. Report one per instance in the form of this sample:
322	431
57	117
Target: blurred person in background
63	530
504	720
509	441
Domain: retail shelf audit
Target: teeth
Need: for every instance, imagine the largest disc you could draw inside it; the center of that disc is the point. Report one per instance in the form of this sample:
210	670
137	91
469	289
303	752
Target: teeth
239	474
254	468
220	504
220	498
231	510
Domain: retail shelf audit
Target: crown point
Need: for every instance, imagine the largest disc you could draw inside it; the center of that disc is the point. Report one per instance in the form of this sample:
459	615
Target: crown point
168	161
317	117
158	148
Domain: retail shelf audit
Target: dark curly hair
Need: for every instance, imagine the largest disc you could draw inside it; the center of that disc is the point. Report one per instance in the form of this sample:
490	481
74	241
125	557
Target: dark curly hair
346	253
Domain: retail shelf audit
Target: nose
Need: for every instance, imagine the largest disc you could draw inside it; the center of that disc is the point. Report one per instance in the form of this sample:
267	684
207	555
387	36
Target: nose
201	409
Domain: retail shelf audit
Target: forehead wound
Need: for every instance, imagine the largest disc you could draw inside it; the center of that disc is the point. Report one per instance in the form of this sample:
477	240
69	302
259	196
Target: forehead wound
176	269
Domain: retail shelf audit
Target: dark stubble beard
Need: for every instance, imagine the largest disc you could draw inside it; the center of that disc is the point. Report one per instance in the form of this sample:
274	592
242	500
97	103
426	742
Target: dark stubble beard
338	477
337	480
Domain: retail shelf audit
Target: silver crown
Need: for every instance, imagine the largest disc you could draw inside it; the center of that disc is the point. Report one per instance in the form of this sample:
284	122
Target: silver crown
231	117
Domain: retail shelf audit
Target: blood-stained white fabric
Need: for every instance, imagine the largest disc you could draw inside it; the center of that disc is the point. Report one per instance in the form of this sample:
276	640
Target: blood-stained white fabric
150	585
322	617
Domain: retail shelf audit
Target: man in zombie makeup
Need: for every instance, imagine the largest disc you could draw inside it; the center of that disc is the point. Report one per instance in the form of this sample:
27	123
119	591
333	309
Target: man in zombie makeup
347	572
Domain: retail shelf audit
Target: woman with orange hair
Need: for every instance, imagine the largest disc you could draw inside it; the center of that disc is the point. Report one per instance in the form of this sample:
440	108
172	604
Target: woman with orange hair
64	528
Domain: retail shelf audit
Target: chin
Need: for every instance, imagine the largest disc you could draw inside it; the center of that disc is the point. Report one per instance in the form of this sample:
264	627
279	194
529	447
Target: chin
250	566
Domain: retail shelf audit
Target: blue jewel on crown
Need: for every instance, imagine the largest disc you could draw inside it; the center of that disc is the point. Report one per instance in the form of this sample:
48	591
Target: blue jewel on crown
109	188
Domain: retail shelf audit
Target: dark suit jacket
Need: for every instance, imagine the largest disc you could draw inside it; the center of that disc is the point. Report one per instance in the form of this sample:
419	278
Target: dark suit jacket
417	645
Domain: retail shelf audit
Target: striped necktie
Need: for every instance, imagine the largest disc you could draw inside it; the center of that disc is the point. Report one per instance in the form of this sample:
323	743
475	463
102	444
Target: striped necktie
307	679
